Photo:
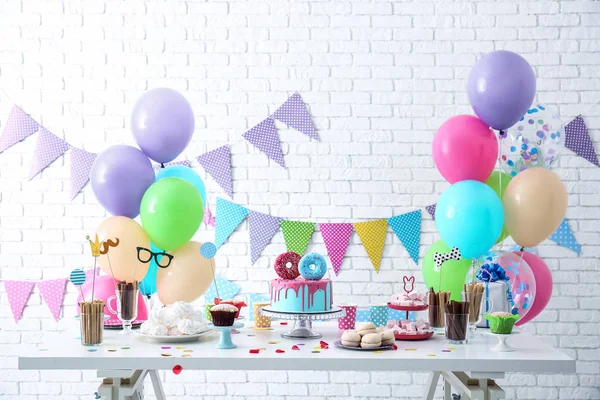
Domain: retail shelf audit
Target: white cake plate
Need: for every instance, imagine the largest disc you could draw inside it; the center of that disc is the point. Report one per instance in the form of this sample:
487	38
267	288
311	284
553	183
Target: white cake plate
502	346
302	328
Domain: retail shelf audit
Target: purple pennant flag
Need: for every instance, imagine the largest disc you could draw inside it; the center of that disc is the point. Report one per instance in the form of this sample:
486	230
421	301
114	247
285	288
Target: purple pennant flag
18	127
81	165
262	229
186	163
48	148
264	137
577	139
431	210
294	114
217	163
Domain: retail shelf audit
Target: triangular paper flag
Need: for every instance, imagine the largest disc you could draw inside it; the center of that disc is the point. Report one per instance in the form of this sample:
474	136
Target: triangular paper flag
564	237
372	234
209	218
18	127
577	139
294	114
431	210
217	163
336	238
262	229
297	235
185	163
227	290
48	148
253	298
81	165
18	293
228	217
408	229
53	293
264	137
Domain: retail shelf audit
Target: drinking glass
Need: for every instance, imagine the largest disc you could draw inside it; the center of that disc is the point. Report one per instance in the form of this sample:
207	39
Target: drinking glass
127	302
456	328
475	316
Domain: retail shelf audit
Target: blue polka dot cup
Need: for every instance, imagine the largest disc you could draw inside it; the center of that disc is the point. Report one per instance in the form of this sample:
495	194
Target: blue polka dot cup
378	315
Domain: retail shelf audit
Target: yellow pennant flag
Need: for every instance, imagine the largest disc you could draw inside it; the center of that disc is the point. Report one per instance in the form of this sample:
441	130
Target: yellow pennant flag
372	234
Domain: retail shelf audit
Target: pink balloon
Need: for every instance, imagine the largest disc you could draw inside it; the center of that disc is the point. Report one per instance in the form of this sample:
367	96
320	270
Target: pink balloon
543	281
465	148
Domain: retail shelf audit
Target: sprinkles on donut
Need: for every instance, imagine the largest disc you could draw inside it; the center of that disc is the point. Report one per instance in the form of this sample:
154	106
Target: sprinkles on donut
286	265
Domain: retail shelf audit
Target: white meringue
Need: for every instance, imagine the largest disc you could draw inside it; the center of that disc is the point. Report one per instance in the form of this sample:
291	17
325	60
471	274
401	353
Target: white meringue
189	327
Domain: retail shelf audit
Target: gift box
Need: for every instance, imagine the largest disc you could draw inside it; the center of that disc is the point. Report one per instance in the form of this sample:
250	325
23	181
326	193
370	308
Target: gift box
496	298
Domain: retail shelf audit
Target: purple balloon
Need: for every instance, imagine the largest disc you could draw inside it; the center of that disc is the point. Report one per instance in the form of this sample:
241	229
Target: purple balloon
120	176
162	123
501	88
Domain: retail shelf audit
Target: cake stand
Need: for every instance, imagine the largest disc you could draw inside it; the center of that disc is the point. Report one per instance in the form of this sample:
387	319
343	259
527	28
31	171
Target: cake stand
418	336
502	346
302	328
225	335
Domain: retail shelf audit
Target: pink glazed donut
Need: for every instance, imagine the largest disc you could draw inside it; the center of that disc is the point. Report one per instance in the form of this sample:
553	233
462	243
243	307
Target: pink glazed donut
281	265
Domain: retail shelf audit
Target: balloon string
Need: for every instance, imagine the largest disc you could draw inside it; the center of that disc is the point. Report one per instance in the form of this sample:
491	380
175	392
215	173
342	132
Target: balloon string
112	273
500	184
212	264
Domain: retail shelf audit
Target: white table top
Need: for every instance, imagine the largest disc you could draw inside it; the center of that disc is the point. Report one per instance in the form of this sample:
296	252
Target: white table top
532	355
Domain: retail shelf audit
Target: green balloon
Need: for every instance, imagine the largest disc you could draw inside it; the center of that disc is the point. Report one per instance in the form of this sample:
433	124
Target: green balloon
454	272
171	212
499	186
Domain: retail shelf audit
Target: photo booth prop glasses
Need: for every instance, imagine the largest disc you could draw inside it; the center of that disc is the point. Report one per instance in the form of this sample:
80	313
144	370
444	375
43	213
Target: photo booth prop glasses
145	256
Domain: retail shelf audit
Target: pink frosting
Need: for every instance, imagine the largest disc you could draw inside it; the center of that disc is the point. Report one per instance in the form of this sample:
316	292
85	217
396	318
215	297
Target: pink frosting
297	285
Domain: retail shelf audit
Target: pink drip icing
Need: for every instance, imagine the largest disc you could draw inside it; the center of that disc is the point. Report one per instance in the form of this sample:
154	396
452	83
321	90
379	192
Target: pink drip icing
277	285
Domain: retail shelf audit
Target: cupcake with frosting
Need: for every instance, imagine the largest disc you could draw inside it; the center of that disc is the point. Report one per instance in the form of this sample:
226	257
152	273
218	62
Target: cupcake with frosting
501	322
223	314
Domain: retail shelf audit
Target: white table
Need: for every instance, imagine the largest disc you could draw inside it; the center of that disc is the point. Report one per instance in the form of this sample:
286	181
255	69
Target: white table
469	369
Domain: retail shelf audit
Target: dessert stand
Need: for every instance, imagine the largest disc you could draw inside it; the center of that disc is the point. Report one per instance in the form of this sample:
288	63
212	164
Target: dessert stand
418	336
225	335
302	328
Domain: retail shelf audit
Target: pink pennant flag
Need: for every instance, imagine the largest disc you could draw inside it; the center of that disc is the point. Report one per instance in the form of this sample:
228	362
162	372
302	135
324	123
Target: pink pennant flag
336	238
185	163
217	163
18	127
48	148
90	273
209	218
53	293
18	293
264	137
81	165
294	114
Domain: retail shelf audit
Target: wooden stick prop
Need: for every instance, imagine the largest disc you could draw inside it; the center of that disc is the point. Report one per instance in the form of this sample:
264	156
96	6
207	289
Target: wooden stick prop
96	247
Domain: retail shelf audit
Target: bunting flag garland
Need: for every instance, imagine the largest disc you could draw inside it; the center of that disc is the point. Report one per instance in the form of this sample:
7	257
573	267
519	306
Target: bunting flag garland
185	163
18	293
336	238
264	137
262	228
431	210
217	163
294	114
229	216
53	293
19	126
253	298
565	238
208	219
297	235
372	234
577	139
81	165
408	229
48	148
227	290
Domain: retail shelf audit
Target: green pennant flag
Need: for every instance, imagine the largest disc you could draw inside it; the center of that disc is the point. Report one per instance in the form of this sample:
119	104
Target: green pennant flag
297	235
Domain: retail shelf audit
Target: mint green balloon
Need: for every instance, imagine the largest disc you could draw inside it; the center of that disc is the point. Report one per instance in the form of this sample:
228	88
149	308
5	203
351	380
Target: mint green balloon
498	181
171	212
454	272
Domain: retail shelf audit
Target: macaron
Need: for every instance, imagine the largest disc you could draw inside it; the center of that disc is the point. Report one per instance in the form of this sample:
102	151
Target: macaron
351	338
371	341
364	328
387	337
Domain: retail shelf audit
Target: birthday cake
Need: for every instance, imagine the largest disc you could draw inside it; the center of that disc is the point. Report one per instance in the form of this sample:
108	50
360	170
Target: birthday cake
309	292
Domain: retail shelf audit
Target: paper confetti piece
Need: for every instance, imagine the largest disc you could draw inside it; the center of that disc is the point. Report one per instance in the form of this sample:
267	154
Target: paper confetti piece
92	350
394	347
315	351
177	369
430	355
43	349
251	335
180	347
445	351
165	347
273	342
112	350
300	344
324	345
279	351
317	348
378	351
125	348
166	354
283	323
186	355
410	349
188	351
254	351
294	347
262	348
450	348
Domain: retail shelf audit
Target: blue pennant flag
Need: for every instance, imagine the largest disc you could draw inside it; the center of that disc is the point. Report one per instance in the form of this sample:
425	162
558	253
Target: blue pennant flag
228	217
252	298
362	315
408	229
565	238
227	290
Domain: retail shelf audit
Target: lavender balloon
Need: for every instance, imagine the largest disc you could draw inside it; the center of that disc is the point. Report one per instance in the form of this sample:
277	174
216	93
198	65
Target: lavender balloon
120	176
162	123
501	87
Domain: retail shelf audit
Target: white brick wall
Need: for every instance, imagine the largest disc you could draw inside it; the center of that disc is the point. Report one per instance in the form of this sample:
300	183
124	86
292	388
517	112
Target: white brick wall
379	78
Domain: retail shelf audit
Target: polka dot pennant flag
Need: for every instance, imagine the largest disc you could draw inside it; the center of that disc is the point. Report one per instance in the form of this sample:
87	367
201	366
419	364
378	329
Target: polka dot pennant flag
81	165
18	127
209	218
262	229
336	238
431	210
18	293
217	163
48	148
227	290
264	137
294	114
253	298
408	229
53	293
363	315
185	163
577	139
565	238
372	234
297	235
228	217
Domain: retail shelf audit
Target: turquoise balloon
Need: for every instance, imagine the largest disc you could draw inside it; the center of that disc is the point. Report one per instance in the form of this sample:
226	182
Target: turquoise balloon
469	215
185	173
148	284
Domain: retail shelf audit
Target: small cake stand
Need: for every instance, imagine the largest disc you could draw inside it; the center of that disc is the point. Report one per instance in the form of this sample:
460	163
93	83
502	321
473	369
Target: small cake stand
418	336
502	346
225	335
302	328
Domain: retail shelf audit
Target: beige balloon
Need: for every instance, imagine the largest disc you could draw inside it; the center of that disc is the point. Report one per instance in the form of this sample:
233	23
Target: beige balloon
188	276
535	203
122	260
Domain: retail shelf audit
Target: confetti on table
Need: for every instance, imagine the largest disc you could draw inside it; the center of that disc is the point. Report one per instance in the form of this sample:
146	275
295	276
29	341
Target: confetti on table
394	347
177	369
324	345
294	347
317	348
251	335
125	348
279	351
165	347
186	355
262	329
43	349
300	344
410	349
262	348
378	351
430	355
274	342
166	354
112	350
92	350
450	348
254	351
188	351
315	351
180	347
283	323
445	351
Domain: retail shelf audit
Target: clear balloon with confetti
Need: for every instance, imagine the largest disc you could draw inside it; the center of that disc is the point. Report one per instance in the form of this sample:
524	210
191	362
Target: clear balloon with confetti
535	141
